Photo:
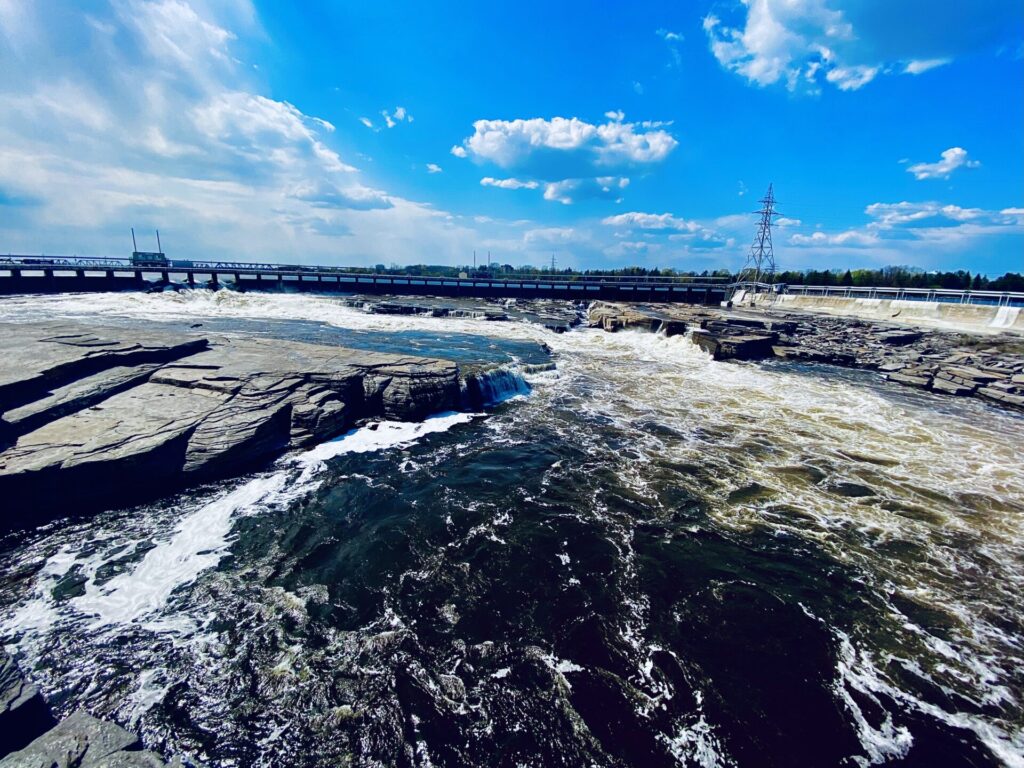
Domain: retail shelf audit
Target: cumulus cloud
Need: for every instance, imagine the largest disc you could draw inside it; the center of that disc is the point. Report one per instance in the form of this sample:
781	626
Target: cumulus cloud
188	143
541	144
951	159
434	168
651	221
324	194
571	158
804	44
488	181
568	191
908	227
849	238
887	215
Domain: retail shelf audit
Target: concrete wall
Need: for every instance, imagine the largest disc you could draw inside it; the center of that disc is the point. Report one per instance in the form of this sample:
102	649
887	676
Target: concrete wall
968	318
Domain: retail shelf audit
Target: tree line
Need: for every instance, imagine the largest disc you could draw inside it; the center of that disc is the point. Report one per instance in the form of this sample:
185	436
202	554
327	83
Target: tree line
886	277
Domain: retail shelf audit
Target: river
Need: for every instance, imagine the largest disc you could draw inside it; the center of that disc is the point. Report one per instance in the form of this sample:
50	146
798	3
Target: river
643	557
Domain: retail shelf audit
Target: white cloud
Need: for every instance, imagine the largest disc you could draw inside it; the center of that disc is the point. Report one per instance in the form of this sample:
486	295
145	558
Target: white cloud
917	66
617	115
434	168
537	143
803	43
671	38
487	181
394	118
324	194
651	221
849	238
952	158
458	151
887	215
187	143
550	236
366	121
568	191
851	78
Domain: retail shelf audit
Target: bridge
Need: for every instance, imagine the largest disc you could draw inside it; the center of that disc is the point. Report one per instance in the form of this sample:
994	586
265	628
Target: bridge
65	274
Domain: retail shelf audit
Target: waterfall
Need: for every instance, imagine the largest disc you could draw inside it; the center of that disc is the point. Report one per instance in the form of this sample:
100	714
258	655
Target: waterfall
1005	317
492	387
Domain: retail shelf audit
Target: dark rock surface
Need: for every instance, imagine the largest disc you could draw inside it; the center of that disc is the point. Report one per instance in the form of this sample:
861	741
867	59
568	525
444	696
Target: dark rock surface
557	316
105	417
23	713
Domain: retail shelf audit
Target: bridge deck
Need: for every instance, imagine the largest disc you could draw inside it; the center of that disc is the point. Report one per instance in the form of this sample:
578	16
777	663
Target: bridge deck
46	275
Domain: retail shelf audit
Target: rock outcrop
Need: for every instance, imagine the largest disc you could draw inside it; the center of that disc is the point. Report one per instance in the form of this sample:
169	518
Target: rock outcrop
23	713
617	317
106	417
83	741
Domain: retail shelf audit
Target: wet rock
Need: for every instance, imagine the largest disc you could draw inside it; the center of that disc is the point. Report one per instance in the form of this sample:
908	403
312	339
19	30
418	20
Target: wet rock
852	490
812	355
898	338
922	382
948	387
23	713
748	347
83	741
218	406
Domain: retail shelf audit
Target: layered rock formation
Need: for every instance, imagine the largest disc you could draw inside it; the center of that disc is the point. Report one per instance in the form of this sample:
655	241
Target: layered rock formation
103	417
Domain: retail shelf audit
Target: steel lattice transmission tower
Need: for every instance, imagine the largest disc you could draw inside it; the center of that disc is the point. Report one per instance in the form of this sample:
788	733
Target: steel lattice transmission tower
760	264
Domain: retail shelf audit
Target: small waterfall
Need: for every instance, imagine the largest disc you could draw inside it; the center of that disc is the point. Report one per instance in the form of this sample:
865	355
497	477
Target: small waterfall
492	387
1005	317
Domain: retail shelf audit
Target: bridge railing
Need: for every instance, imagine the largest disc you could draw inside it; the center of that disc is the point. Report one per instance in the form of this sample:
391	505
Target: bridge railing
945	295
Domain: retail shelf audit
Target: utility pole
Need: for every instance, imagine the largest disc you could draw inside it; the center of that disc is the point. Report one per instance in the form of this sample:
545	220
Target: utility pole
552	263
135	247
159	248
474	261
760	264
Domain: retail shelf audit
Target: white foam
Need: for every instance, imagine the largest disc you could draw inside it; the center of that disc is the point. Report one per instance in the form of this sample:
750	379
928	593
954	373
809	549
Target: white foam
1005	317
202	537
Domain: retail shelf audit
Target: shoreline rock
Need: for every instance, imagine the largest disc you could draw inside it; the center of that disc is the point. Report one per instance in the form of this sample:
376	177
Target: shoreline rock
99	418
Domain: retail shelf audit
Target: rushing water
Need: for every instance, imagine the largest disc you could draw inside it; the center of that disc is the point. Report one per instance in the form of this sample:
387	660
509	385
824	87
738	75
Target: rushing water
652	559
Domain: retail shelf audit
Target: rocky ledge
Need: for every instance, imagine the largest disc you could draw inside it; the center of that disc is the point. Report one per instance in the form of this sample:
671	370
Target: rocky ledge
99	417
83	741
938	361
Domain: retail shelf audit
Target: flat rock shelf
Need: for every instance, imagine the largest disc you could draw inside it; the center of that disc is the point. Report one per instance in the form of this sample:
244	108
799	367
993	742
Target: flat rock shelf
98	417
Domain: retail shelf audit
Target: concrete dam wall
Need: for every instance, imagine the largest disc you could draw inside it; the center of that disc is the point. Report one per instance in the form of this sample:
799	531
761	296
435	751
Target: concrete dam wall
970	318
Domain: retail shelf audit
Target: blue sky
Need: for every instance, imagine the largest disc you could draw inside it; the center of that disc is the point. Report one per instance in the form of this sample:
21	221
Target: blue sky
359	133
